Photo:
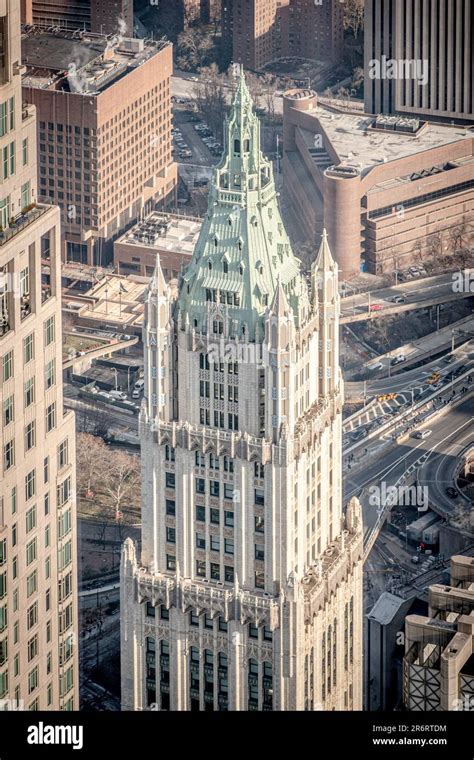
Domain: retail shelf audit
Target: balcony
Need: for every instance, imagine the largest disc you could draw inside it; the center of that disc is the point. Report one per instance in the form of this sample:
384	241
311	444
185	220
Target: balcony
21	222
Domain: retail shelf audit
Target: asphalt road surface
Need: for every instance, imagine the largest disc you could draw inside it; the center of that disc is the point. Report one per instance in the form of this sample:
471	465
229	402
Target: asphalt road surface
394	463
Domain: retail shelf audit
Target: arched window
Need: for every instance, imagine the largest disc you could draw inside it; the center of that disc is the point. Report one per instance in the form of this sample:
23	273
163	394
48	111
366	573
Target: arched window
210	265
237	147
246	146
225	267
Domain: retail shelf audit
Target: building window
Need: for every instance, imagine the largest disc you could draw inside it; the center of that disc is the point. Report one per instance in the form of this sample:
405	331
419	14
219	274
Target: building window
215	543
228	464
169	453
229	546
228	491
215	516
170	562
150	611
200	486
30	485
259	579
8	455
215	488
259	497
49	331
201	568
229	519
170	480
170	507
171	535
30	436
200	513
259	524
28	348
29	392
215	572
50	417
259	552
50	373
229	574
7	366
200	541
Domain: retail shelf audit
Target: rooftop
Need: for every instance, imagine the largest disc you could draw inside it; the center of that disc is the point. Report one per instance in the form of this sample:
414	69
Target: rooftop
80	62
164	232
361	147
113	300
386	608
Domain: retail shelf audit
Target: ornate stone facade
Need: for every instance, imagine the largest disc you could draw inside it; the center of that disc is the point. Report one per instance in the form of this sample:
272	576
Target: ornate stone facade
248	591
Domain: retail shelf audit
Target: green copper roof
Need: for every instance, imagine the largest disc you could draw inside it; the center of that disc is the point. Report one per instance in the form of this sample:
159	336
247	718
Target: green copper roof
243	248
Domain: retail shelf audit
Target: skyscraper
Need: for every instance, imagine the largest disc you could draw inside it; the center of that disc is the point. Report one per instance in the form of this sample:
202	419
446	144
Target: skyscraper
38	615
104	113
418	58
248	591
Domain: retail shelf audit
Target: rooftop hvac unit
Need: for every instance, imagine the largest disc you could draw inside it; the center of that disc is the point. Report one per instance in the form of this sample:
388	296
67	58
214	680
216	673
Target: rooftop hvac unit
131	45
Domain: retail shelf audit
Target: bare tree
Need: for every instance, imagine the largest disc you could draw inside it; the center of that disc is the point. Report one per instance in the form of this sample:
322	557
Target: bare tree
435	244
193	48
121	485
269	89
354	16
210	98
91	460
358	77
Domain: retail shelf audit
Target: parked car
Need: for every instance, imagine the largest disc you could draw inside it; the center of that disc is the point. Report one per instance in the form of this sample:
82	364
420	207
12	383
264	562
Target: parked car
398	359
358	434
375	367
118	395
398	299
448	359
376	307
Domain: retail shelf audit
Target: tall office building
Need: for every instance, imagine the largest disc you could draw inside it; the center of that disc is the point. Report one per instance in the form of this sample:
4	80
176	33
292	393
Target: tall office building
98	16
38	568
420	55
104	133
248	591
438	667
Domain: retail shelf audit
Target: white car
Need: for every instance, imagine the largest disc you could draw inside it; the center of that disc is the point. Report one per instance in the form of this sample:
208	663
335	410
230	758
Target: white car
118	395
422	434
398	359
375	367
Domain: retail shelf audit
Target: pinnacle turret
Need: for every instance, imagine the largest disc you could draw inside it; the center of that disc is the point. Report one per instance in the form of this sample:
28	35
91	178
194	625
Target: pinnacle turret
243	247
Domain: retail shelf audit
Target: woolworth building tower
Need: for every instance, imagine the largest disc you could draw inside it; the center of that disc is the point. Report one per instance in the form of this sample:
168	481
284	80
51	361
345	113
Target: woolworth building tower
247	592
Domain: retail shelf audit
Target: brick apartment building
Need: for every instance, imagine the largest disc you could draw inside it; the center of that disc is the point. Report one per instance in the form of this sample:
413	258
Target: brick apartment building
98	16
260	31
104	134
389	190
200	10
38	560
